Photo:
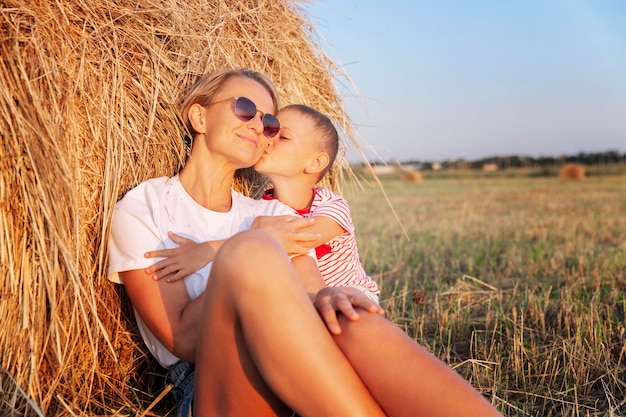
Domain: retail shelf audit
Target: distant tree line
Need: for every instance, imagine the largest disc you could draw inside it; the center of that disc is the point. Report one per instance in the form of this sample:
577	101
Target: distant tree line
516	161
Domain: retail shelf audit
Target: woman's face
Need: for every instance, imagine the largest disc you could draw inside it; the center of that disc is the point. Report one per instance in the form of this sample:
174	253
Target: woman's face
292	149
239	142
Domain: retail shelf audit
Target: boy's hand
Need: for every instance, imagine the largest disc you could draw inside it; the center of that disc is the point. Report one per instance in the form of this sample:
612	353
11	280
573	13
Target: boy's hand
179	262
287	230
345	300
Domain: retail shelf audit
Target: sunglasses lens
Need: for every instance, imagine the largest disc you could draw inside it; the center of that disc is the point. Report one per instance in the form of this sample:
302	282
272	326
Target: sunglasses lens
245	109
271	126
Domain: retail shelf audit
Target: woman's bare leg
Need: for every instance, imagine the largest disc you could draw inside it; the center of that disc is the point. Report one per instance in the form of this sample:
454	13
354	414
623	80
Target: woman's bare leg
262	335
405	379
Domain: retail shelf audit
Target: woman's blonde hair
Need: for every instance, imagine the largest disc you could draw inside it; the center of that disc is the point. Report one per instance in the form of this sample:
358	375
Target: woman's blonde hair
207	86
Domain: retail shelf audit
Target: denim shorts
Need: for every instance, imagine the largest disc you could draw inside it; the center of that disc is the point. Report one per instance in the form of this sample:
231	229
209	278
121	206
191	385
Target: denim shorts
181	376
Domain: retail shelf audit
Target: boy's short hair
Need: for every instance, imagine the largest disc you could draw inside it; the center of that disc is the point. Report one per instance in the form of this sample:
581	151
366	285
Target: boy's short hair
328	132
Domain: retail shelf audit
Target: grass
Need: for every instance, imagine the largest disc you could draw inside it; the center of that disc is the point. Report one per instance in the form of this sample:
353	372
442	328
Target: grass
515	281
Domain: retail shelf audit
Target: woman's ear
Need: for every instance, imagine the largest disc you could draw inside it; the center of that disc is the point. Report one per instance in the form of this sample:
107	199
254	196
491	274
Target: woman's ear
318	163
196	117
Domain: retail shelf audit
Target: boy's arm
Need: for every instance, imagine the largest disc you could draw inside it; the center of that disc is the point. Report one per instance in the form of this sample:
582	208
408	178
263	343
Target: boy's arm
330	300
190	256
179	262
326	228
309	274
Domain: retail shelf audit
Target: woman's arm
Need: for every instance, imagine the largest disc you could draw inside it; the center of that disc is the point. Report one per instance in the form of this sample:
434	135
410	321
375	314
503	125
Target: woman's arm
292	232
320	230
167	311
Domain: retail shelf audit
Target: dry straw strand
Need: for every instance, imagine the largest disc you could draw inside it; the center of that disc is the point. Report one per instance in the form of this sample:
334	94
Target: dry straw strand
88	93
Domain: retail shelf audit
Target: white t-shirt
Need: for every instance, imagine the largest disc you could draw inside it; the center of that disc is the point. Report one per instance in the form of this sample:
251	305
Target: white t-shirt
144	216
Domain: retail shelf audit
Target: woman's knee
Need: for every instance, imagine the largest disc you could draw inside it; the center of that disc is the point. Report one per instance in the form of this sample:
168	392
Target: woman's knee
248	255
248	244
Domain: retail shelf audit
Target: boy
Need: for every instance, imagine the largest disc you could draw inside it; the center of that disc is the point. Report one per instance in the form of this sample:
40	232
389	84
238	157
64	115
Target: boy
295	162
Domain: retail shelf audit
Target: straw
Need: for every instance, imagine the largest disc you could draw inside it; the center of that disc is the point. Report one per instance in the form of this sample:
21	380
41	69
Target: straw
87	110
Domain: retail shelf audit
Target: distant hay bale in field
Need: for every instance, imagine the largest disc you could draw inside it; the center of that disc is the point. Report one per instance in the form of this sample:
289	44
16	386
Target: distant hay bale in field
490	167
412	176
87	111
572	172
376	170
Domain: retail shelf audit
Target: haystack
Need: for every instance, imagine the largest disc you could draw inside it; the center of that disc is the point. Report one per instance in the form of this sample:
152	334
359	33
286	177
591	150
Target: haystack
572	172
412	175
87	110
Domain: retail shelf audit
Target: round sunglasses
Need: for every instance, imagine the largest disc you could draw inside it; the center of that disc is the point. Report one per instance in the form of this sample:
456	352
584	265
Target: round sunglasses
246	110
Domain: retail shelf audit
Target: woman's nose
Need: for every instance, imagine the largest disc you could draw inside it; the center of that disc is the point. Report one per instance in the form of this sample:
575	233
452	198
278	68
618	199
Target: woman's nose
257	123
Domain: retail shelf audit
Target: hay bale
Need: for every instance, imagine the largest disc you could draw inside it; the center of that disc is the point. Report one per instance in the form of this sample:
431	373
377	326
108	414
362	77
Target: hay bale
572	172
87	94
412	176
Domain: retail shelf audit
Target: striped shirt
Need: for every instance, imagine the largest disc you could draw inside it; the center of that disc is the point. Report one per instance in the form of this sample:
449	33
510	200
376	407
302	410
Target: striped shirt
338	259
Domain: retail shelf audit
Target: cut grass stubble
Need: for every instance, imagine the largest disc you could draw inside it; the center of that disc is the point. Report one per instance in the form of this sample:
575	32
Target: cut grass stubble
518	283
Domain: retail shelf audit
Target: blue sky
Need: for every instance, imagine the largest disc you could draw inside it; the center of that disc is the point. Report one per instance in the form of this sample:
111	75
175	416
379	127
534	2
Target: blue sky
450	79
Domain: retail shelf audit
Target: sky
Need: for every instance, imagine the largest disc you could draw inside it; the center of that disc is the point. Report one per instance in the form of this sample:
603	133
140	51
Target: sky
458	79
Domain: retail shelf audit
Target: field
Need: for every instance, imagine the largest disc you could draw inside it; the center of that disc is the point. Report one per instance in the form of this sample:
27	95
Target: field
517	282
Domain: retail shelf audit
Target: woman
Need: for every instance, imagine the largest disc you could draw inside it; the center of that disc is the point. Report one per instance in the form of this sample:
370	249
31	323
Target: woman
247	320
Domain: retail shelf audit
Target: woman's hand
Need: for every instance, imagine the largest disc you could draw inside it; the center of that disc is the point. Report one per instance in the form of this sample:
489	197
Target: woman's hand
345	300
287	230
179	262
